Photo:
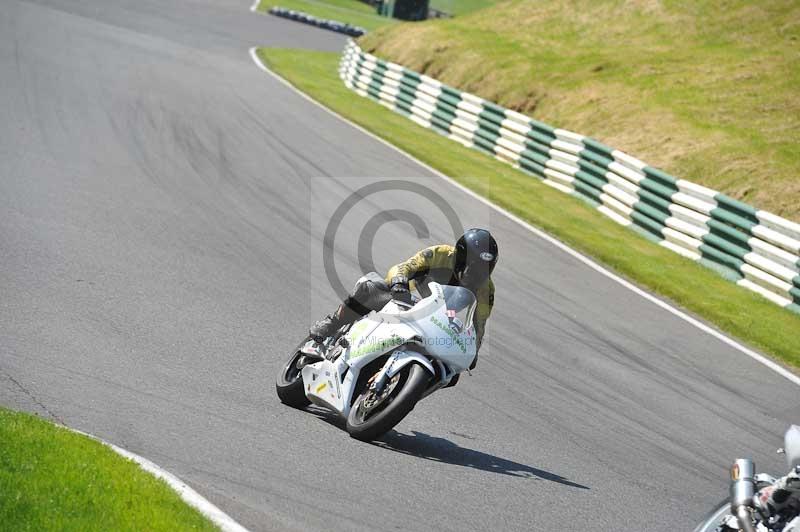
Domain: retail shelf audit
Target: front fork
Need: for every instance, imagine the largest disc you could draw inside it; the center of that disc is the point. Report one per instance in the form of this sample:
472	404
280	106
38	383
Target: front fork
397	361
378	381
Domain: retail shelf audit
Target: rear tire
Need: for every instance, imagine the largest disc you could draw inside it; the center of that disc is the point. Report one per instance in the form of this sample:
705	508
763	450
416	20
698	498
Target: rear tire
366	425
289	384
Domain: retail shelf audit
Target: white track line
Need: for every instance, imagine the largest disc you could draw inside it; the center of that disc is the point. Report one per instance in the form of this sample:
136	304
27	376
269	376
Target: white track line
254	7
541	234
191	497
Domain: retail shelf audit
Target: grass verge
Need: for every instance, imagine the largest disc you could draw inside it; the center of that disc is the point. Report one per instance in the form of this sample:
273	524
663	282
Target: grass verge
708	91
733	309
460	7
54	479
349	11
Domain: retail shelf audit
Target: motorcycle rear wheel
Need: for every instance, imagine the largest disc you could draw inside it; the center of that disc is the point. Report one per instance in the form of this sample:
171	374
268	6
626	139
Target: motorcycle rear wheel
289	384
373	416
714	518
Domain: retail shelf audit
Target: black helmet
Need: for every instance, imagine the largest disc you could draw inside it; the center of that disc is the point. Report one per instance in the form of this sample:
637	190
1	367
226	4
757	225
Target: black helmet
476	255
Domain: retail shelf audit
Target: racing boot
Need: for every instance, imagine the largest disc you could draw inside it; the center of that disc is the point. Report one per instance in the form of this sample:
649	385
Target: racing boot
332	322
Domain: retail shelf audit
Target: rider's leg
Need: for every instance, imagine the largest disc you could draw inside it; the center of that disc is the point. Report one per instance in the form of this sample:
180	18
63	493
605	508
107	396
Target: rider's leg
370	293
332	322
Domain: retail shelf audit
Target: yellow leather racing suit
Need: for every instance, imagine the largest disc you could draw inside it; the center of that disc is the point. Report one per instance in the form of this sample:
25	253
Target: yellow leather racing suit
437	263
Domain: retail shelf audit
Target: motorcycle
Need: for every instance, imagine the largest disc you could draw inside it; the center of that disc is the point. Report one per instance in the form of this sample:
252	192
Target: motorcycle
372	373
746	509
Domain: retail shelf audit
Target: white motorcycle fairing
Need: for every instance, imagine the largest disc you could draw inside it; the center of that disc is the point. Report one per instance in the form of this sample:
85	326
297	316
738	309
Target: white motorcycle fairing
440	339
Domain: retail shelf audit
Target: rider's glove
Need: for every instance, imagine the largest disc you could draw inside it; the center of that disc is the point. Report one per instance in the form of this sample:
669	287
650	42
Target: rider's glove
399	288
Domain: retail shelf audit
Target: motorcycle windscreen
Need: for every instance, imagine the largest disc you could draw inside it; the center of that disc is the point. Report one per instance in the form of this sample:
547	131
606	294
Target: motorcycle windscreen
460	303
447	327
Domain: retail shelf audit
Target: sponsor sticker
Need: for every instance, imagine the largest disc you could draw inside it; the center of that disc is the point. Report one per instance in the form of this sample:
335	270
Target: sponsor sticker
449	332
376	345
488	257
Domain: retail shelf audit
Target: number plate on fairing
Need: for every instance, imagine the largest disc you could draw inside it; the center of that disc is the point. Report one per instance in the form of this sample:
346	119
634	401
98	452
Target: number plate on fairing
321	383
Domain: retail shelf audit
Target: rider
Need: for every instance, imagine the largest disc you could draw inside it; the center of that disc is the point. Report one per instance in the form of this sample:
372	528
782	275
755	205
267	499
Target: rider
785	492
469	264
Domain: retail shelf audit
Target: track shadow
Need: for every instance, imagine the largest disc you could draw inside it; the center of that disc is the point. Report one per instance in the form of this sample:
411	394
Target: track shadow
443	450
327	416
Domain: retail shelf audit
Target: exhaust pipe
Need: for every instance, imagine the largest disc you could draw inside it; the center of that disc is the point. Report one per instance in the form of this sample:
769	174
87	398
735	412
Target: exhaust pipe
743	489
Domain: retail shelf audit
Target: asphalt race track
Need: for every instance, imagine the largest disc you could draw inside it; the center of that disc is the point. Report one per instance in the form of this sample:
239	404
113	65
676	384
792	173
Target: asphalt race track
162	206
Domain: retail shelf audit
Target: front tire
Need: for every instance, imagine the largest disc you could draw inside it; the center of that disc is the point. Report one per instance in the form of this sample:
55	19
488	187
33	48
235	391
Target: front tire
714	518
372	416
289	384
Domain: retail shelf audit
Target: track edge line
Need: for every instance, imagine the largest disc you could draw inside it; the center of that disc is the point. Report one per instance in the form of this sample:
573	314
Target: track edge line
225	522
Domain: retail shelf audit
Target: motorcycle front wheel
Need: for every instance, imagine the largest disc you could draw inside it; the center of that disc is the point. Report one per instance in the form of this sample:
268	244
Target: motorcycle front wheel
373	415
714	518
289	384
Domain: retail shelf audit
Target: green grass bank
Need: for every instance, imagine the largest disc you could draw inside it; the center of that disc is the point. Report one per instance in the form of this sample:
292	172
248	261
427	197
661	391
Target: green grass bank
701	291
707	91
54	479
461	7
